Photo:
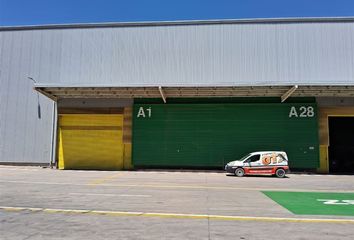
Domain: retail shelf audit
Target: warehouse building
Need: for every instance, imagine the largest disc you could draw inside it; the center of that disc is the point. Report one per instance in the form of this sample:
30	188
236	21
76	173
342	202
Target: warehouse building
184	94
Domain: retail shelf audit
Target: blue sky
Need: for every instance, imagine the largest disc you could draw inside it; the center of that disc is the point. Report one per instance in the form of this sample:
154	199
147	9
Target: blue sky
36	12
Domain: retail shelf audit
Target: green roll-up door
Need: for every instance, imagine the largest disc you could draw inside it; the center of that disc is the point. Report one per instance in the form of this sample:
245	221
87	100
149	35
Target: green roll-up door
210	135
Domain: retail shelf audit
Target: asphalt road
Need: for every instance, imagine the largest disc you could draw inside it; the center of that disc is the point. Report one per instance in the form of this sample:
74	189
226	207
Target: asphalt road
38	203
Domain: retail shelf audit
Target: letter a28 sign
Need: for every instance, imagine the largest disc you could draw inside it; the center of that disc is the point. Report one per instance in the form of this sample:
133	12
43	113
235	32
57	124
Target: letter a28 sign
302	112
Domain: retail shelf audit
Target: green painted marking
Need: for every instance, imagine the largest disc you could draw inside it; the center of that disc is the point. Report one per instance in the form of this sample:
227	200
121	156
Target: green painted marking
315	203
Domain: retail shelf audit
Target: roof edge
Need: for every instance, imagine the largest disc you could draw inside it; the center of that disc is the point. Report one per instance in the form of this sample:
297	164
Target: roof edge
181	23
48	85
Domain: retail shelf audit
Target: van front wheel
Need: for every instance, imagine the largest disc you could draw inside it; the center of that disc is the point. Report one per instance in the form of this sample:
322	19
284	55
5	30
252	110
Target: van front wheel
280	173
239	172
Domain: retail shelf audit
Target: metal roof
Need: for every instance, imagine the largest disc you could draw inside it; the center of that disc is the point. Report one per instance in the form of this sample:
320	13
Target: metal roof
181	23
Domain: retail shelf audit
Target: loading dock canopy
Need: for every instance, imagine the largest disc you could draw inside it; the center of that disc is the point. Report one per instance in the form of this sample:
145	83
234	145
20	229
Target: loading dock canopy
58	92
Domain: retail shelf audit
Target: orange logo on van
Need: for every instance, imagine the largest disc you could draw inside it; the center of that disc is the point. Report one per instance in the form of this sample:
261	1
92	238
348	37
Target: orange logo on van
271	158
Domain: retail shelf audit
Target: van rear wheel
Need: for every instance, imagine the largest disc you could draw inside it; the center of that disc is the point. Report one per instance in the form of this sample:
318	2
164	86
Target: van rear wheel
280	173
239	172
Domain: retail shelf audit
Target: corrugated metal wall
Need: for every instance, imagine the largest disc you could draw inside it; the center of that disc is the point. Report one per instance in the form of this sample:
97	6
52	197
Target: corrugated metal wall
230	54
25	118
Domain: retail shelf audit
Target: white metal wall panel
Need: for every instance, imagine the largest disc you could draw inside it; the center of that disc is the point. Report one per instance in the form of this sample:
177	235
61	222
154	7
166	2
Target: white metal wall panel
2	95
24	136
245	54
230	54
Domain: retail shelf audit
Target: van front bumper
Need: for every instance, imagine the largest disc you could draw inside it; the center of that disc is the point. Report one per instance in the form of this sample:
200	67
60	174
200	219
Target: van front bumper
230	169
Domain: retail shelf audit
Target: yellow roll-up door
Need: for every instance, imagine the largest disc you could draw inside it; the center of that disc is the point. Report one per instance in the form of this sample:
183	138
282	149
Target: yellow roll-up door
91	141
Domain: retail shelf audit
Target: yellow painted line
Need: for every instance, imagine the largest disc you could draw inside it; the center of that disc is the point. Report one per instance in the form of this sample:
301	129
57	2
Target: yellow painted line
109	195
178	215
180	186
103	180
224	188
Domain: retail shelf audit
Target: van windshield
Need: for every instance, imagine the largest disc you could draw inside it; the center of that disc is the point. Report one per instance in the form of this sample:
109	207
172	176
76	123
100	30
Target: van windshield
282	157
245	157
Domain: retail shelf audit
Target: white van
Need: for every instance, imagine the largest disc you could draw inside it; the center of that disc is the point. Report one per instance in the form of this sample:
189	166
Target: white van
266	162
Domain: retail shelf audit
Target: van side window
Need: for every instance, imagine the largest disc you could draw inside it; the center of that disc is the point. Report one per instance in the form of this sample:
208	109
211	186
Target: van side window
254	158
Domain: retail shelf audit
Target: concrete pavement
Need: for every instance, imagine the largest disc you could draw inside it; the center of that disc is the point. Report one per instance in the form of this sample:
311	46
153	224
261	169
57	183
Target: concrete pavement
38	203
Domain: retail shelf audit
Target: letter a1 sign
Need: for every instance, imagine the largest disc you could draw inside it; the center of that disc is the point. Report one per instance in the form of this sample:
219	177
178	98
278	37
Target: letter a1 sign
143	113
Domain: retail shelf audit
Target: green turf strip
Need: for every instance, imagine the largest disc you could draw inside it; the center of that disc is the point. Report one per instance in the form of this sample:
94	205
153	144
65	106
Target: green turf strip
315	203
